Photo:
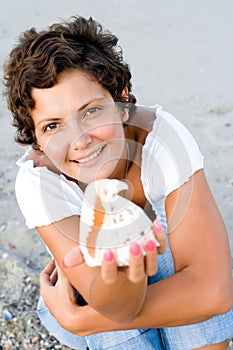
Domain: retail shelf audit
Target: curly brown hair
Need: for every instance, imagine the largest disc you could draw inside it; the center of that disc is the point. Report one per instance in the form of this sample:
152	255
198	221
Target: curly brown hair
41	56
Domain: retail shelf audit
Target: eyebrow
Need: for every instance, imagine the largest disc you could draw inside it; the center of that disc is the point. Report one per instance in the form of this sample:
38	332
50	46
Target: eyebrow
54	119
46	120
95	99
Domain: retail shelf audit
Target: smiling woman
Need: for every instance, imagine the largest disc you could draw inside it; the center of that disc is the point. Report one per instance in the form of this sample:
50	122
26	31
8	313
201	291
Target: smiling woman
69	92
82	129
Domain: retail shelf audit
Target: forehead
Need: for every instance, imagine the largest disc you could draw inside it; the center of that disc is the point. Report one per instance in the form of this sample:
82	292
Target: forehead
73	90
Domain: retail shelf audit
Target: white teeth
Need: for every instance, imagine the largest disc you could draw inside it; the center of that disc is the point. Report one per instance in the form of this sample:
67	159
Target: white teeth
92	156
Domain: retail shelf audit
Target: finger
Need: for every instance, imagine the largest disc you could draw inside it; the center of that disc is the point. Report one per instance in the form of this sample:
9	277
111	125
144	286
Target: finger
151	258
64	285
50	267
136	271
59	270
109	270
60	274
54	277
73	258
160	236
45	275
45	278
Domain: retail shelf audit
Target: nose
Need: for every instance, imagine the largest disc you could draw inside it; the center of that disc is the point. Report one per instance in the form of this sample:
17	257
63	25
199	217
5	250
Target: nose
80	137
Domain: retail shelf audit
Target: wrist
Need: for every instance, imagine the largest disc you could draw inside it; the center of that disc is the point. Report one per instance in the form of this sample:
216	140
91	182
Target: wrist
82	320
114	304
66	318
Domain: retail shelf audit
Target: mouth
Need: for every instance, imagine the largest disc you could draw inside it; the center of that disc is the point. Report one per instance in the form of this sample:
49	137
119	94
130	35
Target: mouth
90	157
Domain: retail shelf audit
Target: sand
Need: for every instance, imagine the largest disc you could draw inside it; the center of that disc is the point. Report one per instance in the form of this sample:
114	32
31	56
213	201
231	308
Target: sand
181	55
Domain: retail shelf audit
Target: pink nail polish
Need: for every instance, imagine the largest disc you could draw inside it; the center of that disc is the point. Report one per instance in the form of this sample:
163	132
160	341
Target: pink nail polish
108	256
157	226
135	249
150	246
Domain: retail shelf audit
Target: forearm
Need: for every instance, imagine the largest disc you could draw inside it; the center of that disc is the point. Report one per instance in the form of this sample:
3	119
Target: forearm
175	301
121	301
182	299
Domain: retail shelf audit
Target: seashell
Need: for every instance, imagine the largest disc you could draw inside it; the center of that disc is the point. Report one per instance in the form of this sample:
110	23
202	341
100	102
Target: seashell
109	221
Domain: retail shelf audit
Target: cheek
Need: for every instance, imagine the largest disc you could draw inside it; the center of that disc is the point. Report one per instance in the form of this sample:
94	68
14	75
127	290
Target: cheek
110	131
56	148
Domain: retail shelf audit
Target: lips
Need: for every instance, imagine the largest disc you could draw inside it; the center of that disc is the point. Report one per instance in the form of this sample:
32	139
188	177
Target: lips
90	157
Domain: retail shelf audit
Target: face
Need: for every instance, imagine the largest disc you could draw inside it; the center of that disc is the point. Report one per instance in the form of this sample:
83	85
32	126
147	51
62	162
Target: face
79	128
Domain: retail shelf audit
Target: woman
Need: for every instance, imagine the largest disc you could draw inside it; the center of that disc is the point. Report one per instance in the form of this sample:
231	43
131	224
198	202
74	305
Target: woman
70	95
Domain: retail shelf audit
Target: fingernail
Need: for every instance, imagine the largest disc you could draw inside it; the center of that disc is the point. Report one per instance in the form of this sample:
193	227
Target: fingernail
108	256
135	249
157	226
150	246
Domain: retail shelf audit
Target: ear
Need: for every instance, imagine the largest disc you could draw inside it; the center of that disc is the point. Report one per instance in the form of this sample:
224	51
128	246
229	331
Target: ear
125	95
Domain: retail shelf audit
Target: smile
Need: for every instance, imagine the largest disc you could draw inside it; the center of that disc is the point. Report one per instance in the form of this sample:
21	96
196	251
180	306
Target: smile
92	156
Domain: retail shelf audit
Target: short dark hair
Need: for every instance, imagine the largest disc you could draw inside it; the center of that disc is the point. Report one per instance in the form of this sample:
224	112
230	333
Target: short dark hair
41	56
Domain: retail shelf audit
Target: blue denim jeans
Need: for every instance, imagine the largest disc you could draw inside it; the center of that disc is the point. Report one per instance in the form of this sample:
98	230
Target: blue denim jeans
136	339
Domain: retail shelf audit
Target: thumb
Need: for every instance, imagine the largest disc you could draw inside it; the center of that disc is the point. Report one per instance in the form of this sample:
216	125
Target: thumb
73	258
62	280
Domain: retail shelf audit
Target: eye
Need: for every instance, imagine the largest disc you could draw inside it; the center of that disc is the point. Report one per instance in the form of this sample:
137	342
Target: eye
92	110
51	126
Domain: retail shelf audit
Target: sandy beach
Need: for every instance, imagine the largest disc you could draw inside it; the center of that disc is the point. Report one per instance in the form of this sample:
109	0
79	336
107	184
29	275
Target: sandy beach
181	54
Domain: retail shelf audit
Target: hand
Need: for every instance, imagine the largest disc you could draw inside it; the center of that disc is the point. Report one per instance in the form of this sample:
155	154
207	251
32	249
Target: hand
58	294
139	265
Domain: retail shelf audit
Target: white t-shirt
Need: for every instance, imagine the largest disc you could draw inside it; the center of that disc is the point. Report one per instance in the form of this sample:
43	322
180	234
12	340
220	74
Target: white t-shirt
43	196
170	157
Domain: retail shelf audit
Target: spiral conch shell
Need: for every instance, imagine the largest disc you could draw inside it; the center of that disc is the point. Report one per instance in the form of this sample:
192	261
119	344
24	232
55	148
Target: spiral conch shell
109	221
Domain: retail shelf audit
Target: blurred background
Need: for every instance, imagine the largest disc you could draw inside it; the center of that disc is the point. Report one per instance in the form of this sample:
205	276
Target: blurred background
181	56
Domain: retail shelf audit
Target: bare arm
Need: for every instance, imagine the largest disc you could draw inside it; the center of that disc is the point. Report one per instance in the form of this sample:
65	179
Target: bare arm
202	285
130	283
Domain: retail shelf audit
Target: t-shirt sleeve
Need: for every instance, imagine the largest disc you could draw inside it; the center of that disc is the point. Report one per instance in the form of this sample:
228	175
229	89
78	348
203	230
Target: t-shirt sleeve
170	157
44	197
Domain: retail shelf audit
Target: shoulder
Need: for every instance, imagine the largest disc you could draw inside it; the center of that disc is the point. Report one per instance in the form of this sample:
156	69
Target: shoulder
44	196
35	171
174	138
144	118
170	155
141	122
